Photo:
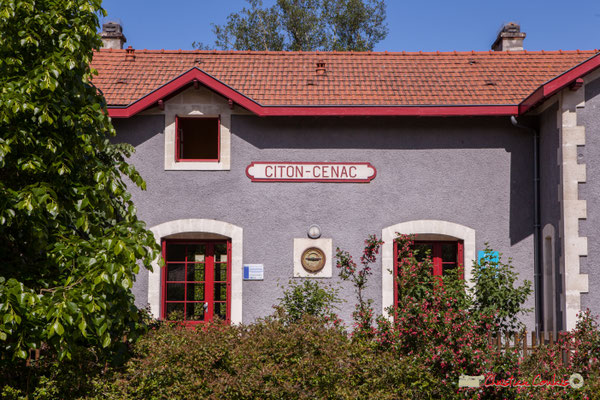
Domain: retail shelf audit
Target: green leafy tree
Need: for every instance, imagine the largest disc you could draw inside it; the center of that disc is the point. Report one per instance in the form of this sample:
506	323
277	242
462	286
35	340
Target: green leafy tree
304	25
257	28
70	241
495	294
356	25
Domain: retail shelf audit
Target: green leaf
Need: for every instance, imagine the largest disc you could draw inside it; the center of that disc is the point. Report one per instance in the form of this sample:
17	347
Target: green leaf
72	307
105	341
68	318
52	208
102	329
82	327
118	248
99	176
58	328
20	353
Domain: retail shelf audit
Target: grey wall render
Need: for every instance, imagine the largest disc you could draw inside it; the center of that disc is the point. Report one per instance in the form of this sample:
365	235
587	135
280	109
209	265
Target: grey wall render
143	133
473	171
550	194
589	116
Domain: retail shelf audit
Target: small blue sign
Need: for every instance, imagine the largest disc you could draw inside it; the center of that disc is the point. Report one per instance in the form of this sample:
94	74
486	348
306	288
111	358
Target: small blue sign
254	272
491	256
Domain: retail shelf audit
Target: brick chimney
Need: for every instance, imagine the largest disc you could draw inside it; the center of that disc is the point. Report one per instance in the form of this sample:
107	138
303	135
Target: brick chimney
510	37
112	36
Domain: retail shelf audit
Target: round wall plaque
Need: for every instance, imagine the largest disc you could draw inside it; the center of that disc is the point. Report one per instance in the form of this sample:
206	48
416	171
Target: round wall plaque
313	259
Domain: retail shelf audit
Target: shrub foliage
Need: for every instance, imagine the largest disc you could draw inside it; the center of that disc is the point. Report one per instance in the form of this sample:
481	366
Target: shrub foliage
270	359
308	298
301	352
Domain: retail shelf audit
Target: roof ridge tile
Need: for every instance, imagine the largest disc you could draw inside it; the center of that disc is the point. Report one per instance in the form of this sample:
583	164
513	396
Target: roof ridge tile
344	53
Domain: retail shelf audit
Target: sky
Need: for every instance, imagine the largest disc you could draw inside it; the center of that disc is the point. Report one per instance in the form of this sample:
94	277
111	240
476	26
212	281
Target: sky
416	25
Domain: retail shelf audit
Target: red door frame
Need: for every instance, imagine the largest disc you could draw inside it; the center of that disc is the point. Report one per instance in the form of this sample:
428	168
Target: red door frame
209	264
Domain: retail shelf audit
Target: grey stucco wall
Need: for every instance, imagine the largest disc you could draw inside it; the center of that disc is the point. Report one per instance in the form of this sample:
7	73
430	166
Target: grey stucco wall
476	172
589	116
550	195
142	132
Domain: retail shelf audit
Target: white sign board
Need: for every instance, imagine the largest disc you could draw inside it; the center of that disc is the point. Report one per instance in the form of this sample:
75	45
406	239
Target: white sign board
254	272
339	172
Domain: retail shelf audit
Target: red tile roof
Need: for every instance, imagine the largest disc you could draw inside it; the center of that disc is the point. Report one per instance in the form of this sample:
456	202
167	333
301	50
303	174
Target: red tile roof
350	79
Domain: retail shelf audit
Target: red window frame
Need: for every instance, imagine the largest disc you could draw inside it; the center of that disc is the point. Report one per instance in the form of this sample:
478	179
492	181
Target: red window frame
436	258
178	140
209	281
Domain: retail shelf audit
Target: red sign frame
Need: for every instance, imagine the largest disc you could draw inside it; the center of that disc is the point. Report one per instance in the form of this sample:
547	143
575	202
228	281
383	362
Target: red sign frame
299	169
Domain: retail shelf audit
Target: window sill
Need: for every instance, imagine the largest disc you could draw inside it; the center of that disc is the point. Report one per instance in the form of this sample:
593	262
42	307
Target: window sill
197	166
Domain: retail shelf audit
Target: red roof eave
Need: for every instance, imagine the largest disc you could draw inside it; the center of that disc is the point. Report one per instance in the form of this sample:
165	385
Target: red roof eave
558	83
195	74
422	111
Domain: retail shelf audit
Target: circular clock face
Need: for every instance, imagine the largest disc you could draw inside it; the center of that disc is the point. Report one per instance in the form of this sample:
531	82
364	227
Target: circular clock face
313	259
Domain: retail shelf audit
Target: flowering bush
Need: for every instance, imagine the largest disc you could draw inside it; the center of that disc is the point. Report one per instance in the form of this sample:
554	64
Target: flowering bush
363	313
448	332
581	347
584	342
432	321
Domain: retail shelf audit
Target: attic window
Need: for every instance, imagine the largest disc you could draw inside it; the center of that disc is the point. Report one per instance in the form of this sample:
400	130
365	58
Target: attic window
197	139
